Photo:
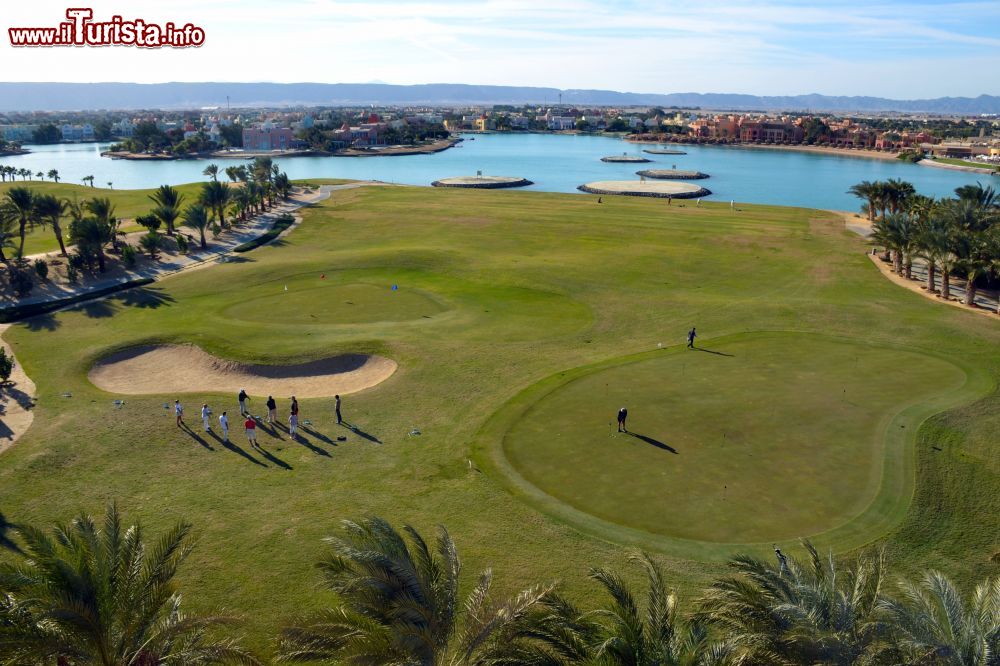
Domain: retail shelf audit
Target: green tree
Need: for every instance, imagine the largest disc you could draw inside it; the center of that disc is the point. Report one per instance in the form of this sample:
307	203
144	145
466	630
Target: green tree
46	133
400	604
91	235
21	203
53	175
98	594
50	210
216	197
196	217
212	170
801	613
868	192
168	206
934	626
897	232
6	368
8	230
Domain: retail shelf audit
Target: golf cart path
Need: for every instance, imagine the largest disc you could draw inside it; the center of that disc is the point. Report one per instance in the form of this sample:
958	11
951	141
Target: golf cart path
17	399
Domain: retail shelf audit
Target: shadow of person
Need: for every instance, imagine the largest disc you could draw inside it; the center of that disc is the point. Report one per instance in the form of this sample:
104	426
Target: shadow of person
273	458
5	541
317	434
710	351
196	437
655	442
236	449
361	433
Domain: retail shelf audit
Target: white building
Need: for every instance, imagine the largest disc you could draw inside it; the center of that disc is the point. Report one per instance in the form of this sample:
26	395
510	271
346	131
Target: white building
78	132
562	123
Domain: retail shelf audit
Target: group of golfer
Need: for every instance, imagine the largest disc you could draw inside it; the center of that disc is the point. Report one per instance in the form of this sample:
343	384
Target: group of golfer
623	412
250	421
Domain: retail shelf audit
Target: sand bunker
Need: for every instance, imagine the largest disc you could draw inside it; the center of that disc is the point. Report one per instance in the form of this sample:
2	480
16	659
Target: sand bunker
187	369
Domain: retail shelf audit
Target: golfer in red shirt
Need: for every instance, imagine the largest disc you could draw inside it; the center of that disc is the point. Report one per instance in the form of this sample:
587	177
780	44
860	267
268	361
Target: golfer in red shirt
251	427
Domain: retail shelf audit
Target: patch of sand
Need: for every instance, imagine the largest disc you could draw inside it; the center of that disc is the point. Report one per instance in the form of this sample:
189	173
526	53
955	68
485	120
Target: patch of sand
186	368
17	399
919	287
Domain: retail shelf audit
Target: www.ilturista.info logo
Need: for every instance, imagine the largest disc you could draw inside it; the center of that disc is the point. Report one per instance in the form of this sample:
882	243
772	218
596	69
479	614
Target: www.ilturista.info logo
82	30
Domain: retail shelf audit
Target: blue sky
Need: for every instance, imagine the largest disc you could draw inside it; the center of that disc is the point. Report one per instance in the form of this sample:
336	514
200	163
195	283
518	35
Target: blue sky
773	47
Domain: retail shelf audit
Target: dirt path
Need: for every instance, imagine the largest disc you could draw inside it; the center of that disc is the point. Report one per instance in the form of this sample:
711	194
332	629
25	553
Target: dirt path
17	400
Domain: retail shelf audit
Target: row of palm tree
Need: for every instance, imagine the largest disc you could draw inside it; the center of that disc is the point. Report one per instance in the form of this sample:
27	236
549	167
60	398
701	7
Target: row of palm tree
960	234
881	197
95	593
26	174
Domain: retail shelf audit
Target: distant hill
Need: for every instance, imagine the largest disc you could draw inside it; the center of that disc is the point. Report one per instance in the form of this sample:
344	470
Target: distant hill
90	96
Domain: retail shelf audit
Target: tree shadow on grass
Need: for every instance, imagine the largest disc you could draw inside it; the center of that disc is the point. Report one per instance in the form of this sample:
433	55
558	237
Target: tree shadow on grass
712	351
44	322
655	442
361	433
144	297
98	309
5	541
24	400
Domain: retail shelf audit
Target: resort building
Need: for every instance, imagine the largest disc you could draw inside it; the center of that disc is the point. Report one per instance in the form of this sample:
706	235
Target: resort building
77	132
267	137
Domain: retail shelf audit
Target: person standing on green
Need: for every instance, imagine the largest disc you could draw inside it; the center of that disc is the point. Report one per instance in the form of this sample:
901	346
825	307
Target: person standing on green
691	336
337	407
622	415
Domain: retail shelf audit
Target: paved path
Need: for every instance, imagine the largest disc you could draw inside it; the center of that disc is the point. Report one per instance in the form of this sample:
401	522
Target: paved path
17	399
985	298
171	264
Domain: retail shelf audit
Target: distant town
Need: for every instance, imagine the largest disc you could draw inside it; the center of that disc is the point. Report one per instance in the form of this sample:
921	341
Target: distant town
363	131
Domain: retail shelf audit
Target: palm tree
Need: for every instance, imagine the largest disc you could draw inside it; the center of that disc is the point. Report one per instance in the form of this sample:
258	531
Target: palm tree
282	185
975	252
243	201
216	196
935	627
24	173
933	244
212	170
897	232
21	201
41	176
625	632
400	604
236	173
897	193
89	179
801	613
102	209
53	175
98	594
867	191
90	235
196	217
8	230
168	205
984	197
50	210
111	185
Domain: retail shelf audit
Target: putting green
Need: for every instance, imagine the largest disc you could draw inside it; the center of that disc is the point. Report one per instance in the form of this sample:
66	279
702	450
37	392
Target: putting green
311	300
756	439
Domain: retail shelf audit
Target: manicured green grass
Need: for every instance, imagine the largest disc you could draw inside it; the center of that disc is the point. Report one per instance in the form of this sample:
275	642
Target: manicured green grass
753	439
128	205
529	286
967	163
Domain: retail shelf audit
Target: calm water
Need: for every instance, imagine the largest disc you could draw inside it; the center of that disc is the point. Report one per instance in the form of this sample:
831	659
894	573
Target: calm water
556	163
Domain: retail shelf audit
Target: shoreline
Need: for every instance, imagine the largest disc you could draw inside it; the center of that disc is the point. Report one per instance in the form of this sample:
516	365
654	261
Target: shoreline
958	167
818	150
388	151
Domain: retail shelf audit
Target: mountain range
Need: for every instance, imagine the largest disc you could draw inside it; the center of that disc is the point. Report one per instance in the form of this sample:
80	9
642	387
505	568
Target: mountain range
93	96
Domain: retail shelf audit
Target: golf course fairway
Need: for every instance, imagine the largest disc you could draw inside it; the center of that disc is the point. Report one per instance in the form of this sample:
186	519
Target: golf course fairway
837	406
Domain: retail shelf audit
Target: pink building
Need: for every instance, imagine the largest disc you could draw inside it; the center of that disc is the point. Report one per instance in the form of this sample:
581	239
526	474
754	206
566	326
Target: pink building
267	138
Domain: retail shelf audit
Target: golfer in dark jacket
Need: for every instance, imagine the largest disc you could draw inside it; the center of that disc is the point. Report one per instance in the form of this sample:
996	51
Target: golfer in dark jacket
622	415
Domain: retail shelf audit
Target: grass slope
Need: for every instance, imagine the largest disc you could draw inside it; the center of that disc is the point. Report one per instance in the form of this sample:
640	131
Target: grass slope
529	285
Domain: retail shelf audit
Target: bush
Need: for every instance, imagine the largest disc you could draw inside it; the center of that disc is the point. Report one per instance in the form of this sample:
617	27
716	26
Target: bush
77	261
128	255
21	282
150	222
183	243
151	243
6	366
41	268
72	274
216	230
